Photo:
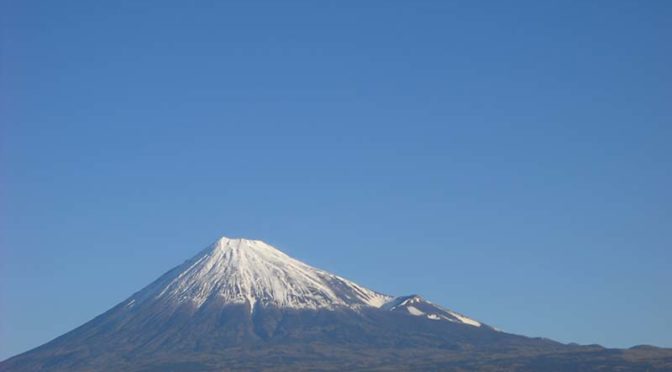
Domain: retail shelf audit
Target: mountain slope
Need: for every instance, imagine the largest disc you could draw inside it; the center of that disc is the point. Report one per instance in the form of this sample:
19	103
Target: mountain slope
242	304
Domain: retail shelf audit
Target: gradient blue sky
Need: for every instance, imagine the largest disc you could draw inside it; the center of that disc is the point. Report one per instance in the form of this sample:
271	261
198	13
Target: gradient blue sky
509	161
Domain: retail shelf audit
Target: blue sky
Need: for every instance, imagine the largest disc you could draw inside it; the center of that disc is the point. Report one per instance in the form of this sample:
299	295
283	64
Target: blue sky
509	161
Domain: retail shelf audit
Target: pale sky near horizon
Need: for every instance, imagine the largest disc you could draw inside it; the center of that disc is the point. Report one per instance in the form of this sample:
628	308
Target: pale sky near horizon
509	161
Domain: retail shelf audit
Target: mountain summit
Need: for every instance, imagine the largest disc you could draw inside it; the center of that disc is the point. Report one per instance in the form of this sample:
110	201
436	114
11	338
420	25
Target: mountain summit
242	304
251	272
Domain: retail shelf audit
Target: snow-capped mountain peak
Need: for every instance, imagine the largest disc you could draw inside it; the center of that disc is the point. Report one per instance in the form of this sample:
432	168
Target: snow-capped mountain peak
253	273
239	271
418	306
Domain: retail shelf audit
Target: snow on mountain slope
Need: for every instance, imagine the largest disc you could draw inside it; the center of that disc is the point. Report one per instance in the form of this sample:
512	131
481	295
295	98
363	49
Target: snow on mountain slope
418	306
240	271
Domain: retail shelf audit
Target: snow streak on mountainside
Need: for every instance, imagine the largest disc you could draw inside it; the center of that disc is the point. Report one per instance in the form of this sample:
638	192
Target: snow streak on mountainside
418	306
238	271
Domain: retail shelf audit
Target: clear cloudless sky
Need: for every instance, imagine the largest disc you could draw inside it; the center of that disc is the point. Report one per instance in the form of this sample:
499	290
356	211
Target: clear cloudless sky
509	160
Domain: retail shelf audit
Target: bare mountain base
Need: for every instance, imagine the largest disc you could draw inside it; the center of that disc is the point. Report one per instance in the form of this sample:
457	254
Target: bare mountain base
273	339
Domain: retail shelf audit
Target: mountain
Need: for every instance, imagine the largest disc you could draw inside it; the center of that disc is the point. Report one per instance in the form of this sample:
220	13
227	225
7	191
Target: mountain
243	305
